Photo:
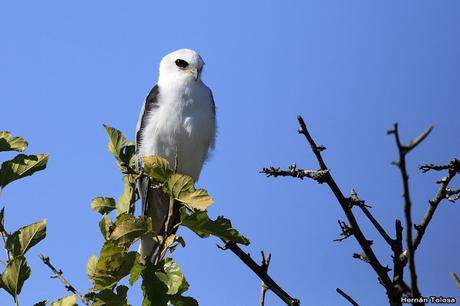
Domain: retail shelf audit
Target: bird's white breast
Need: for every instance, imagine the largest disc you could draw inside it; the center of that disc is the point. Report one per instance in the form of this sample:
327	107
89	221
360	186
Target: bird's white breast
183	124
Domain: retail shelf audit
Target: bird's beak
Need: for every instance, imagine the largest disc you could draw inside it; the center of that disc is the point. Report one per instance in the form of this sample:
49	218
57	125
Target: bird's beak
194	72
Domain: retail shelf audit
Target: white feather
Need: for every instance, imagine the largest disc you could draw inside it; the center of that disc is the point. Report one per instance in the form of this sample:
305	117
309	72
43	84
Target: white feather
182	124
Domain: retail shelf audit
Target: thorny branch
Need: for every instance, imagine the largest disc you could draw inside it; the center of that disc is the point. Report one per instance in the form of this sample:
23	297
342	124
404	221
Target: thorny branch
261	272
58	274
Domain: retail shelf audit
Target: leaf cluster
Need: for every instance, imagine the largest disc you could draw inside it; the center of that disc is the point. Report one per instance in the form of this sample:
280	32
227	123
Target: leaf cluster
162	283
19	242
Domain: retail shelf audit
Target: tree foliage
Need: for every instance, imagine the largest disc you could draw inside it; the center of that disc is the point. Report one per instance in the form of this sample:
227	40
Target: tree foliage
17	243
162	282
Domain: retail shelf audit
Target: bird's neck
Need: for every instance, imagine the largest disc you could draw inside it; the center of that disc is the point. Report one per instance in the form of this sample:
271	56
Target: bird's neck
177	83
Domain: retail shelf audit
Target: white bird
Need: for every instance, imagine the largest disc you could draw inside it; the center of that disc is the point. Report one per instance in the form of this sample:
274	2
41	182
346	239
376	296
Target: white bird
176	120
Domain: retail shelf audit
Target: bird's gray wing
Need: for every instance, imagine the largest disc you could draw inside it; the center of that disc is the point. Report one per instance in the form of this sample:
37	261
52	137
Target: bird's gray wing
155	203
150	105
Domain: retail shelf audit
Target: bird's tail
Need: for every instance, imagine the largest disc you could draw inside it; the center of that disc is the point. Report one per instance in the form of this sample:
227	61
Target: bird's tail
156	206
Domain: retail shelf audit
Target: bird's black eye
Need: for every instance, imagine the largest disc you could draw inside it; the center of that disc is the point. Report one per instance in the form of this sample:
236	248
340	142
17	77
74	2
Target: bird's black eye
181	63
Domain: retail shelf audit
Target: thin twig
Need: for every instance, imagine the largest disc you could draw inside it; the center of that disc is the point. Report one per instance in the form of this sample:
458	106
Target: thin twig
398	265
346	296
365	244
368	254
442	193
317	175
361	204
347	231
454	165
456	279
259	271
401	163
264	287
58	274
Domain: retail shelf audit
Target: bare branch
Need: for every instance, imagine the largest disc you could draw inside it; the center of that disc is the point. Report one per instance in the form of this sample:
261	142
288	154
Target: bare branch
316	149
401	163
456	279
58	274
317	175
415	142
453	165
398	265
444	192
347	231
355	200
347	297
264	287
261	273
344	202
452	195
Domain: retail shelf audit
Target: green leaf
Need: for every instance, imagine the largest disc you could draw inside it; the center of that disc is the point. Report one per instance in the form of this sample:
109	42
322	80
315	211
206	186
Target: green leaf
113	264
173	278
200	223
2	220
116	141
21	166
181	188
121	149
106	226
66	301
41	303
15	274
136	271
157	168
128	155
107	297
103	205
91	267
10	143
183	301
163	285
153	288
26	237
128	197
128	229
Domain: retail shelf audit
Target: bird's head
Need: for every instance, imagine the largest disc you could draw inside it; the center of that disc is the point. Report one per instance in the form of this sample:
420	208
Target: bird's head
181	65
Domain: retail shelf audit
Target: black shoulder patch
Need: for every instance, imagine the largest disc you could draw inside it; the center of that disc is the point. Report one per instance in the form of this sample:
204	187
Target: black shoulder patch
151	103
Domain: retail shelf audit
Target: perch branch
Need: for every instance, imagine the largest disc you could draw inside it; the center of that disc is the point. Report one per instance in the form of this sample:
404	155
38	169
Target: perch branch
58	274
261	273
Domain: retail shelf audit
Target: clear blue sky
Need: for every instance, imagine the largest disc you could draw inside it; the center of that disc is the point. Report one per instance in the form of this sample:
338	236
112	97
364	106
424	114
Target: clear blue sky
351	68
